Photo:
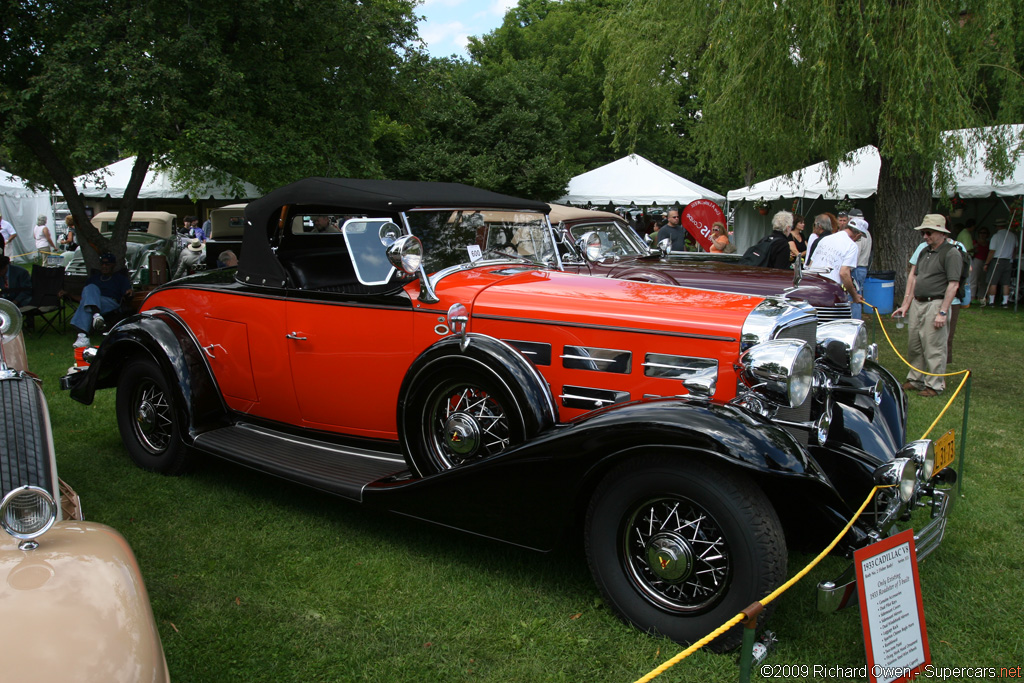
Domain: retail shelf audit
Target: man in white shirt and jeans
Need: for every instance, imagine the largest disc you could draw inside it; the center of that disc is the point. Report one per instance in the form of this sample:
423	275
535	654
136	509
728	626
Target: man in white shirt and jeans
1002	247
838	253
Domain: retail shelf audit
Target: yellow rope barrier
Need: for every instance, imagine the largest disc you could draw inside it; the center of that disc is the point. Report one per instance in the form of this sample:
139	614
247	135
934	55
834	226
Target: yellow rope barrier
771	596
896	351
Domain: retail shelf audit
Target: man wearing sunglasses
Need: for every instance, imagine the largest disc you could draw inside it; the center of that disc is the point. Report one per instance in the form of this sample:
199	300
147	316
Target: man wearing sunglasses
931	286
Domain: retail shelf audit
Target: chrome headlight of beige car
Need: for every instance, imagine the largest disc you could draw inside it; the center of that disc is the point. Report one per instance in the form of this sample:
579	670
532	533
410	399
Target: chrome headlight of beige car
843	345
781	370
27	512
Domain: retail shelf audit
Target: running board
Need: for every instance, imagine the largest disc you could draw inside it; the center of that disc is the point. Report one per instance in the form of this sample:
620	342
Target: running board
337	469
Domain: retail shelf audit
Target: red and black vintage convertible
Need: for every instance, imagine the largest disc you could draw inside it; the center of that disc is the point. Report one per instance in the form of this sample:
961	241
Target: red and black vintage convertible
418	347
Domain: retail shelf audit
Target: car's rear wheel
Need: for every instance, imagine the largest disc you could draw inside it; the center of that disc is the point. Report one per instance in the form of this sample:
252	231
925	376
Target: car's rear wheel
678	547
458	413
147	420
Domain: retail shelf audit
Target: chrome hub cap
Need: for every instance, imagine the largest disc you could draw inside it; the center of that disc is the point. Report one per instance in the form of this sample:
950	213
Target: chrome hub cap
153	418
466	423
675	554
669	556
462	433
146	417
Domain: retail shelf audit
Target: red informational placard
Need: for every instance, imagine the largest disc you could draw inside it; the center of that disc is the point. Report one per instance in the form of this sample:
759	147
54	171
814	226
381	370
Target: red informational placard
891	610
698	217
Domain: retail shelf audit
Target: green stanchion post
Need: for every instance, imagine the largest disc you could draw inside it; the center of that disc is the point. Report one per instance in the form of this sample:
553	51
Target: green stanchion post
963	435
747	650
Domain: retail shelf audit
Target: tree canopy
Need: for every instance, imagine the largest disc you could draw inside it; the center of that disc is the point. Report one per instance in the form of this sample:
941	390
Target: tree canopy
780	85
265	91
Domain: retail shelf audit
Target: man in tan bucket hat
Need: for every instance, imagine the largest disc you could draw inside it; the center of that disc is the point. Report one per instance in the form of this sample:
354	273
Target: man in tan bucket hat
931	286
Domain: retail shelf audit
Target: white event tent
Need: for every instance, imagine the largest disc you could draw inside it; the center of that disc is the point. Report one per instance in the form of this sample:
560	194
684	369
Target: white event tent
634	180
21	206
857	179
111	181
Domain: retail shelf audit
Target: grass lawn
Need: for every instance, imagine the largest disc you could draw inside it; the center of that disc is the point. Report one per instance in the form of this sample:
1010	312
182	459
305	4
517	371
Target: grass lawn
255	579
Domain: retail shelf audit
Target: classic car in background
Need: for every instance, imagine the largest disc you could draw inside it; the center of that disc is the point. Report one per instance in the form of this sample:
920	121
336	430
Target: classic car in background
226	223
150	233
74	603
438	363
603	244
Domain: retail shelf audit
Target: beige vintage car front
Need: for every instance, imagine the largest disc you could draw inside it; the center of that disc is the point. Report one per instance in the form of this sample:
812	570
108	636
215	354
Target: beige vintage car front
75	607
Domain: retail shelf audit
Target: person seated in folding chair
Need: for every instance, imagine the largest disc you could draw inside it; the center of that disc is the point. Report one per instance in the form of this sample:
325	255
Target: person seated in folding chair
104	292
15	283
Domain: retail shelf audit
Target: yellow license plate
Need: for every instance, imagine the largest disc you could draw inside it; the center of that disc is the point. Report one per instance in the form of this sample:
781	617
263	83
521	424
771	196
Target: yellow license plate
945	450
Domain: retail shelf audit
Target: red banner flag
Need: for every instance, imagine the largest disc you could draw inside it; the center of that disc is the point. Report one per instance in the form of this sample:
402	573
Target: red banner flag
698	217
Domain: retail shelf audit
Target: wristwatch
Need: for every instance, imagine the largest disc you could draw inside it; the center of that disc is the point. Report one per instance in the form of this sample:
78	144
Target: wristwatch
942	313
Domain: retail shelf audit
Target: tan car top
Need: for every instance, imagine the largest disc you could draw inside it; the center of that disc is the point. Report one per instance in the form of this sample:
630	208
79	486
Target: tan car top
160	223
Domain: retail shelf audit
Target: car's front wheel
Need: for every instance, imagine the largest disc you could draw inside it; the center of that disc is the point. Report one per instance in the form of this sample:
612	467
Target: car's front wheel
680	547
147	420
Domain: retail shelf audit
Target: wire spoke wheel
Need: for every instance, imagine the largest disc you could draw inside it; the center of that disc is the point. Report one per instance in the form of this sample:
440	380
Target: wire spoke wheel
148	420
465	423
676	554
153	419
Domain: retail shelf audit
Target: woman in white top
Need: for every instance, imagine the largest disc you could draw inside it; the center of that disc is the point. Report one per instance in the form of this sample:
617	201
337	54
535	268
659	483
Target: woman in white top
44	242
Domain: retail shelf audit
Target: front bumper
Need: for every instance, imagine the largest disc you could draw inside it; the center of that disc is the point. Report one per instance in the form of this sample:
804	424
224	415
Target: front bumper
842	591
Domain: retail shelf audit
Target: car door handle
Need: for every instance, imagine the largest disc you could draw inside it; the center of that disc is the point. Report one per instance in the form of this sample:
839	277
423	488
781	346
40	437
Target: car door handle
295	335
209	349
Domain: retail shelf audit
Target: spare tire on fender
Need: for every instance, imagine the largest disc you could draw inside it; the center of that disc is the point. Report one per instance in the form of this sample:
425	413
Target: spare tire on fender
460	403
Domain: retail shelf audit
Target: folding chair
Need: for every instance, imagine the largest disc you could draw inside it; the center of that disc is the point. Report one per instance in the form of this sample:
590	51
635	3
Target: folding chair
47	305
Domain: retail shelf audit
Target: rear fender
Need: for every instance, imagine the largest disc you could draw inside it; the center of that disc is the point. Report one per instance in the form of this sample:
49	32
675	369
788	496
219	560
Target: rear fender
164	338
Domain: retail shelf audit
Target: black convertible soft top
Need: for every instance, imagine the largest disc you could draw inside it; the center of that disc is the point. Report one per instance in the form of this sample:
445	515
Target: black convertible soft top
259	265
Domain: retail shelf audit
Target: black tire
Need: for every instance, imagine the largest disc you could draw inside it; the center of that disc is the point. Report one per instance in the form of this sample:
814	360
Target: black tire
696	507
458	412
148	421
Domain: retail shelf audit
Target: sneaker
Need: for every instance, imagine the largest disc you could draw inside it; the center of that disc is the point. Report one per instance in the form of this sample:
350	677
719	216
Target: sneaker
82	341
98	323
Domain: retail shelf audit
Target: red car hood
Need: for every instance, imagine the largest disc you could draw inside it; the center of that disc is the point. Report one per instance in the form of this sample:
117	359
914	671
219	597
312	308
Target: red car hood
588	301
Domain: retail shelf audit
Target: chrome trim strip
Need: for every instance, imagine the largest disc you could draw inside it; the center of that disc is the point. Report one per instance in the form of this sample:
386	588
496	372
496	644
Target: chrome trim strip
589	358
563	323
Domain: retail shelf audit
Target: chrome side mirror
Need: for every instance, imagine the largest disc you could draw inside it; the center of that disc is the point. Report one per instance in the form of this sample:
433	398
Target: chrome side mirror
389	234
665	246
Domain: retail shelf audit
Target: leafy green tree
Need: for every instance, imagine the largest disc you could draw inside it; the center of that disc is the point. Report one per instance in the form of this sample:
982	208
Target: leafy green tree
266	91
779	85
492	130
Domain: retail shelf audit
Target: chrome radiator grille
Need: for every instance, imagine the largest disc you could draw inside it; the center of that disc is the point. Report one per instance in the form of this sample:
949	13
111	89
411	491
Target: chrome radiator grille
837	312
24	442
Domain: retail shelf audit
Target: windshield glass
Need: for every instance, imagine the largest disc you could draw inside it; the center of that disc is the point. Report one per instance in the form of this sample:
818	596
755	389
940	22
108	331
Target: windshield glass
618	239
454	237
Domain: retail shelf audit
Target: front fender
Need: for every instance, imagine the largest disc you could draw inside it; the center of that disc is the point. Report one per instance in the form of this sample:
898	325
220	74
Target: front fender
886	421
76	608
161	336
545	484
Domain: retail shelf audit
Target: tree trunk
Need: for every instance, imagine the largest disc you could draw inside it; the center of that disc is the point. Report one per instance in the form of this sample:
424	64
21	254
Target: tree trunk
903	201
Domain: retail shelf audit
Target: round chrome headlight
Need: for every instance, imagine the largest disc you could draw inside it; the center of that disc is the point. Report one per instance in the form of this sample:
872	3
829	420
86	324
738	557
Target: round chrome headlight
27	512
406	254
922	452
843	345
781	370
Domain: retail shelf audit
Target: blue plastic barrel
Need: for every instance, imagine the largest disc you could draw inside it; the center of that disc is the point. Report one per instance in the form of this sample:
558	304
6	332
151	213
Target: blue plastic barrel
880	290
